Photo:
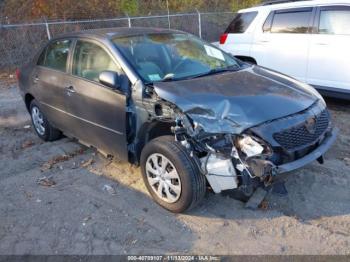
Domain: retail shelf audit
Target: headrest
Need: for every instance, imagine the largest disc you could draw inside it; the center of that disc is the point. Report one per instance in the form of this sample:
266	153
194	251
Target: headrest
143	52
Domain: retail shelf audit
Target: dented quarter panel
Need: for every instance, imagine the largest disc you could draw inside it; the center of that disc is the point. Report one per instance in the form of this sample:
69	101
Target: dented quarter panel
234	101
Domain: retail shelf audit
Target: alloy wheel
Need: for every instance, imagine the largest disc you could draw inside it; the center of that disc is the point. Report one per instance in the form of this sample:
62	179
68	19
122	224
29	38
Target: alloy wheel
38	120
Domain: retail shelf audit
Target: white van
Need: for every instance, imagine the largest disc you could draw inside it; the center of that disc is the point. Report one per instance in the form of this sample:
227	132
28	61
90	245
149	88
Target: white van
309	40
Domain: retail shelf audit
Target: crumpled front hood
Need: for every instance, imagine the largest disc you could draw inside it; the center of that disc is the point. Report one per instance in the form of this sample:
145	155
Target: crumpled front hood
234	101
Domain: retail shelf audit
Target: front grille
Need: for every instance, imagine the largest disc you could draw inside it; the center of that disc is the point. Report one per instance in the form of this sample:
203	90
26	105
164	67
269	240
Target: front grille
299	136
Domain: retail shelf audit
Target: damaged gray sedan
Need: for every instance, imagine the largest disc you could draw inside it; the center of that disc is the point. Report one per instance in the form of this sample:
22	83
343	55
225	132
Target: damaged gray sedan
189	114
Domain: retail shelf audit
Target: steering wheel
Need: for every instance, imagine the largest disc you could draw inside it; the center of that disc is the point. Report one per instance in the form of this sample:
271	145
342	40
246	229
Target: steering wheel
180	63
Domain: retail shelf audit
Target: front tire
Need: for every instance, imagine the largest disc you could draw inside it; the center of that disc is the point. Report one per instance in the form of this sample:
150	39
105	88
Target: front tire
41	125
171	176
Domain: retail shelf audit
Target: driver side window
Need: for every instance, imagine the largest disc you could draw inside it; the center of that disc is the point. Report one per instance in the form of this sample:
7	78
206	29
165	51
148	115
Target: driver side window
90	60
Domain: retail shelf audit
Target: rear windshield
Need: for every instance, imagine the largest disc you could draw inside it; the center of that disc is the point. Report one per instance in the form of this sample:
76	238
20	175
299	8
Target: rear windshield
241	22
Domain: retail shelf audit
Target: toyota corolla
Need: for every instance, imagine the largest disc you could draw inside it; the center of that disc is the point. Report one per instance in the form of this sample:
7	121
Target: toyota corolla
191	115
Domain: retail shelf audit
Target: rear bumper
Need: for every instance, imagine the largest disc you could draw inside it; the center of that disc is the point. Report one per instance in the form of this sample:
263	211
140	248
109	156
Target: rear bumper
319	151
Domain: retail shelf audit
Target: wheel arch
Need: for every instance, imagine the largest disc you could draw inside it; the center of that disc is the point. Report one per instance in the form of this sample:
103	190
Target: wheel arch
28	98
150	131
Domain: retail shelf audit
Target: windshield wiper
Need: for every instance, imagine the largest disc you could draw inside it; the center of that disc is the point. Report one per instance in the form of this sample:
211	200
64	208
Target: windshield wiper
231	68
224	69
171	77
168	77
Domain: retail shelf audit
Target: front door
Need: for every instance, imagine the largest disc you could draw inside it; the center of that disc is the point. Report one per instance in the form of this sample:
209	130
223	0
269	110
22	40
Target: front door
329	59
97	112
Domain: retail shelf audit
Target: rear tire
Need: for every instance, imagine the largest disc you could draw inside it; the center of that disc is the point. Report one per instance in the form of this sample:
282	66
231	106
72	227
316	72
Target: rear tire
182	185
41	125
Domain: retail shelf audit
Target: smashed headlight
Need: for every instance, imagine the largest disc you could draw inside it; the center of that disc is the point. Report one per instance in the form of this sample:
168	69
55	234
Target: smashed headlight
252	155
249	146
252	146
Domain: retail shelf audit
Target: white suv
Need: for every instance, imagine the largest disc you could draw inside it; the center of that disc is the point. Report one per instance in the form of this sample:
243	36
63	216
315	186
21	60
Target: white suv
309	40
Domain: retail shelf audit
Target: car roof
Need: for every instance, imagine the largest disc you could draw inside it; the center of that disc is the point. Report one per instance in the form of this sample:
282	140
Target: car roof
292	4
119	32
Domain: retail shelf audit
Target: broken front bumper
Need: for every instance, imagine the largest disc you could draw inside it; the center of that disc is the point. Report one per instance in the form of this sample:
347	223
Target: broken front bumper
318	152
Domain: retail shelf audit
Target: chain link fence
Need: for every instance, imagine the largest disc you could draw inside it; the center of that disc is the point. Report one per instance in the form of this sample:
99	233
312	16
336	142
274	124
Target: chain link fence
20	42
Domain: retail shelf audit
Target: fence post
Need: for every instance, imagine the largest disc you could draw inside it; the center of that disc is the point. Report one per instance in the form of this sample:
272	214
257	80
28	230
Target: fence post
47	30
167	7
129	20
199	24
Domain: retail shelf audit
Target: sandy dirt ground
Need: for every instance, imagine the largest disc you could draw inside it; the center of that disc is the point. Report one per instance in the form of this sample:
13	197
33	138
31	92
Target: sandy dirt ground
62	198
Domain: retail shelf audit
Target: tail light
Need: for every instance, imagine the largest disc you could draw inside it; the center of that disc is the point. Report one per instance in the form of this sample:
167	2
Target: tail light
18	73
223	38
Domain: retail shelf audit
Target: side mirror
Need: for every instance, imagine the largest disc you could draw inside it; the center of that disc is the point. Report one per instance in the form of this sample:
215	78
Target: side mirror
110	79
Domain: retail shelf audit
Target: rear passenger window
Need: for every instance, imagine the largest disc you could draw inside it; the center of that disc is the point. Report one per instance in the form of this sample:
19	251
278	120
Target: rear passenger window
336	22
241	22
56	55
295	22
90	60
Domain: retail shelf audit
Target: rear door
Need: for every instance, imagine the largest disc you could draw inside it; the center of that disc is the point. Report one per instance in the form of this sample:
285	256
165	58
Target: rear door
283	41
97	113
48	78
329	59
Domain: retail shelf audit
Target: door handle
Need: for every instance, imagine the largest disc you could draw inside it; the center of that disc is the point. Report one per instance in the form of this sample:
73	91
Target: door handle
264	41
321	43
70	90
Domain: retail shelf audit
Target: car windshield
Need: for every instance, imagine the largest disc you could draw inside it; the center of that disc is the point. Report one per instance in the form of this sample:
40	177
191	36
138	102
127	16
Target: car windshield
173	56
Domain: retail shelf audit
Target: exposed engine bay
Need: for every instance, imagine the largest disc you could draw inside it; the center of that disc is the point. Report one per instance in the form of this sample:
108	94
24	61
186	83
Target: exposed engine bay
227	160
